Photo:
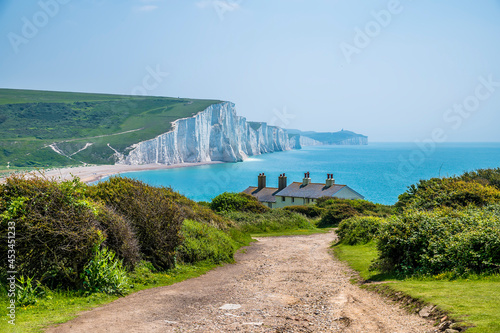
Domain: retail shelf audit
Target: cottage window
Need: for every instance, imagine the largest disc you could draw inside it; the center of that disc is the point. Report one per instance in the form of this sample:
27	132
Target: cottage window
283	199
293	199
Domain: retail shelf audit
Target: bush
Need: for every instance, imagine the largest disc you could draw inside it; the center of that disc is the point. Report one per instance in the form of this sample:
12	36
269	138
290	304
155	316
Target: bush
200	212
462	242
237	202
275	220
204	243
489	177
55	229
335	214
120	238
104	273
363	207
359	229
447	192
310	211
155	218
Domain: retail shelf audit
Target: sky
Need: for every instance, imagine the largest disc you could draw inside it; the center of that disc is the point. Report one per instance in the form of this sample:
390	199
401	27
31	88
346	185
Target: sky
398	70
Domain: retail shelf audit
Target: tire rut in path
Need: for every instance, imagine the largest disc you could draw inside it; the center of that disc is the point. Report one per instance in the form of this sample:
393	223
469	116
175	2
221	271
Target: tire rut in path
281	284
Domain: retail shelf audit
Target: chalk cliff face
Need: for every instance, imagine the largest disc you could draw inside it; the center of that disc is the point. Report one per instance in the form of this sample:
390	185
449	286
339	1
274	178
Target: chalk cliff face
215	134
305	141
354	141
357	140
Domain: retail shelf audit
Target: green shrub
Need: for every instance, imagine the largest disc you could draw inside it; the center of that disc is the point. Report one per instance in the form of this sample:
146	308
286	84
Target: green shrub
447	192
274	220
237	202
155	218
55	232
489	177
119	236
198	212
204	243
363	207
335	214
27	293
104	273
310	211
422	242
359	229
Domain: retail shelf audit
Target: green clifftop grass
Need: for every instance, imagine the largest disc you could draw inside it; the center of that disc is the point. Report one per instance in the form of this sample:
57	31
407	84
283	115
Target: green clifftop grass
32	120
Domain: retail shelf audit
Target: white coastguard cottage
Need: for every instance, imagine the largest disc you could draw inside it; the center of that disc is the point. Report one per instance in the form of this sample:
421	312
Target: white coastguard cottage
299	193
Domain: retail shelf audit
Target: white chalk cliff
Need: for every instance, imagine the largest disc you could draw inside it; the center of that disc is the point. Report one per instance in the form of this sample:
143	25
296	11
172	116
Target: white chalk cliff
214	134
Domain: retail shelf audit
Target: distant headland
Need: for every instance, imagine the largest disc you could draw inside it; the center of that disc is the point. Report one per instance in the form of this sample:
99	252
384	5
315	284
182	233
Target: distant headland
43	129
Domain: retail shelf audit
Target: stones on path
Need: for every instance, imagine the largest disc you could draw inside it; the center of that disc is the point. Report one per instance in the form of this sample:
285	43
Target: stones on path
444	325
450	330
254	324
230	307
426	311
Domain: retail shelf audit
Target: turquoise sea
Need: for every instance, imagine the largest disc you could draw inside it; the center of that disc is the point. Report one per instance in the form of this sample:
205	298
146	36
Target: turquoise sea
378	171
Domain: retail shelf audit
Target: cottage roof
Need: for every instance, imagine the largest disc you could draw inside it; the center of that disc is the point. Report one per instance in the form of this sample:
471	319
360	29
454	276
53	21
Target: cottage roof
310	191
265	194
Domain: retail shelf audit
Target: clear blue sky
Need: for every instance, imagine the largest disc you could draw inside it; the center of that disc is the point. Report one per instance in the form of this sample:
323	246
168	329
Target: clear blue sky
329	64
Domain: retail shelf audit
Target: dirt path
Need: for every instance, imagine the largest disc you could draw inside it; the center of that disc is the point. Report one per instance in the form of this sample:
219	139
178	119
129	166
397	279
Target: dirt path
282	284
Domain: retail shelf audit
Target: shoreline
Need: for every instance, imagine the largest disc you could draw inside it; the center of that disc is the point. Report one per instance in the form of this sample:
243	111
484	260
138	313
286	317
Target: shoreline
90	174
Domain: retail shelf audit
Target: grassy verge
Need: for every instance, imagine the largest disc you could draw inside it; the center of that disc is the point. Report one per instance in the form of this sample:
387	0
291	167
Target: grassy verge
473	301
59	307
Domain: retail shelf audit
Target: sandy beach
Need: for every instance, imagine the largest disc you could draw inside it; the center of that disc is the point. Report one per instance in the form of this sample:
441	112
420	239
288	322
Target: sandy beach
89	174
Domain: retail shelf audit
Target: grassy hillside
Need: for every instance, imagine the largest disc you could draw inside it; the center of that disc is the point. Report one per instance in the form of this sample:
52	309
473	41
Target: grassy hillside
82	126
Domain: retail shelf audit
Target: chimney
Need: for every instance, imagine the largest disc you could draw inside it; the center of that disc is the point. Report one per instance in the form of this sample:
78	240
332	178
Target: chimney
306	180
329	180
281	182
261	181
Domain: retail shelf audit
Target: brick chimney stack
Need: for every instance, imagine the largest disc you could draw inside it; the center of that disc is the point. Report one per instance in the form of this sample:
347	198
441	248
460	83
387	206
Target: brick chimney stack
329	180
282	182
261	181
306	180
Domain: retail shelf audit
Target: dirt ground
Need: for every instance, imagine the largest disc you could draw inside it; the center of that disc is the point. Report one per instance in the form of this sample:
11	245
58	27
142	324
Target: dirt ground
279	284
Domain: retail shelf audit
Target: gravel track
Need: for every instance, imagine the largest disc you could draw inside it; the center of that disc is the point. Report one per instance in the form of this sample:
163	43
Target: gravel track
280	284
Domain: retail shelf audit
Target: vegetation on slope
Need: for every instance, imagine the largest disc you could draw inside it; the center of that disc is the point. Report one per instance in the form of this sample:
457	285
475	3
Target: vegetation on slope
81	125
442	225
95	242
441	246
